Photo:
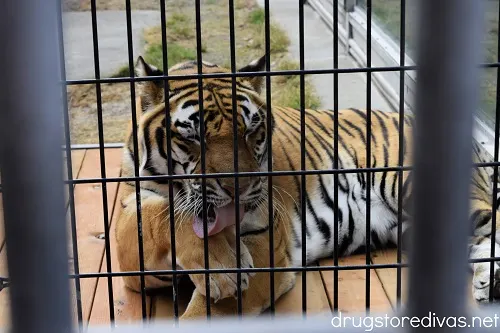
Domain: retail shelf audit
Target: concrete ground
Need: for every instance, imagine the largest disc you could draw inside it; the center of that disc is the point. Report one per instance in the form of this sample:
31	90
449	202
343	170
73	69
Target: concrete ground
318	54
112	38
318	49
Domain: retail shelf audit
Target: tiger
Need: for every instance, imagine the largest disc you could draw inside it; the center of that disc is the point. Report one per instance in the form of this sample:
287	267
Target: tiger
258	128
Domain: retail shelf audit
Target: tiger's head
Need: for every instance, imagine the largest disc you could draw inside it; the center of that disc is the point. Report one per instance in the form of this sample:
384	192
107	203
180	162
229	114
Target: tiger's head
186	140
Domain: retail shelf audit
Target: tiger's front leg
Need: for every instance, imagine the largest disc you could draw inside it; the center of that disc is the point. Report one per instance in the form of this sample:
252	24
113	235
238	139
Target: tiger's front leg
189	248
221	255
257	297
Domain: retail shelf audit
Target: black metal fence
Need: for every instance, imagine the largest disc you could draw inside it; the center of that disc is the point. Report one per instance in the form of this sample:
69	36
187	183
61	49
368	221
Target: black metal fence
33	97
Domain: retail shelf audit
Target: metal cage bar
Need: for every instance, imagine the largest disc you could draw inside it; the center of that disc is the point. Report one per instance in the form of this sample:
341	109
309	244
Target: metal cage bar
449	40
135	139
303	167
269	125
69	170
168	121
250	174
336	154
495	171
368	152
400	148
31	163
232	41
204	212
102	159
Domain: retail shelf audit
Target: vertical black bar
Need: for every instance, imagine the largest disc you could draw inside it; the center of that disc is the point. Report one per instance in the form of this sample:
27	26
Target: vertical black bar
199	59
303	207
402	74
102	158
235	152
336	154
69	168
32	167
448	47
136	156
269	124
168	121
368	146
495	174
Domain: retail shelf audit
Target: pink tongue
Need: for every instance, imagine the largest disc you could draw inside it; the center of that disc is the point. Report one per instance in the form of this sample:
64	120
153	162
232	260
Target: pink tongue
225	217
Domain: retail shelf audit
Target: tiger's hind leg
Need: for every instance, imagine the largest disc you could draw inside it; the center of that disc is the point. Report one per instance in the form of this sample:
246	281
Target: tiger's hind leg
480	245
156	246
480	248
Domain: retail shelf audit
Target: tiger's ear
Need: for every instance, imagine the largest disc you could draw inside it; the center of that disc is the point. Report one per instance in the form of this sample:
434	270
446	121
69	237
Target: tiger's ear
257	65
150	92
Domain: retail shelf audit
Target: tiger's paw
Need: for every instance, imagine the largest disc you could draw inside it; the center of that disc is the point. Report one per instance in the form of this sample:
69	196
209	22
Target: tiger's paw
481	282
221	255
224	285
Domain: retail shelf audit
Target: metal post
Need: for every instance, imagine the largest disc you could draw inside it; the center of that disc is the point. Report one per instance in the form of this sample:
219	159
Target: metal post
447	91
30	139
349	5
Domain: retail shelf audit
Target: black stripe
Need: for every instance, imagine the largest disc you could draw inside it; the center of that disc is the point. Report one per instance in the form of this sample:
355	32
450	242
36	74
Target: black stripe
348	240
396	123
406	184
160	137
189	103
255	232
381	121
246	111
374	164
359	113
394	181
296	181
485	218
322	225
384	114
357	129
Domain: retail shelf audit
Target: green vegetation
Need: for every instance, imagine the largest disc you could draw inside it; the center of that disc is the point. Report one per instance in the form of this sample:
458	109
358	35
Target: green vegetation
257	16
176	54
180	26
278	38
286	88
122	72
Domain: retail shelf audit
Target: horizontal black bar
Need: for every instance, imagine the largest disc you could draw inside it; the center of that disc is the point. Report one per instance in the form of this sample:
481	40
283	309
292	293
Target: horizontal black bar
239	174
253	270
263	73
254	174
242	74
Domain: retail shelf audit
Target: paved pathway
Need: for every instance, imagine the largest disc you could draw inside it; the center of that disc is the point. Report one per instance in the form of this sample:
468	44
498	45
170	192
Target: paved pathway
112	33
318	54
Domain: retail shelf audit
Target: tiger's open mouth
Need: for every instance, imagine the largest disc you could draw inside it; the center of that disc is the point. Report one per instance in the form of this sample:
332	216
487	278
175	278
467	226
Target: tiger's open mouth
218	218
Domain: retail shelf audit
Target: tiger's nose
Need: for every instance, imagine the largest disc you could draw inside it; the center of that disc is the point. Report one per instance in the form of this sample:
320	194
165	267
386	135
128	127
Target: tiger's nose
231	189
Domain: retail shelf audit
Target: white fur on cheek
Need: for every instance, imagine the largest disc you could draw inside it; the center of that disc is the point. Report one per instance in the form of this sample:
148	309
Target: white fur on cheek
248	118
182	115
